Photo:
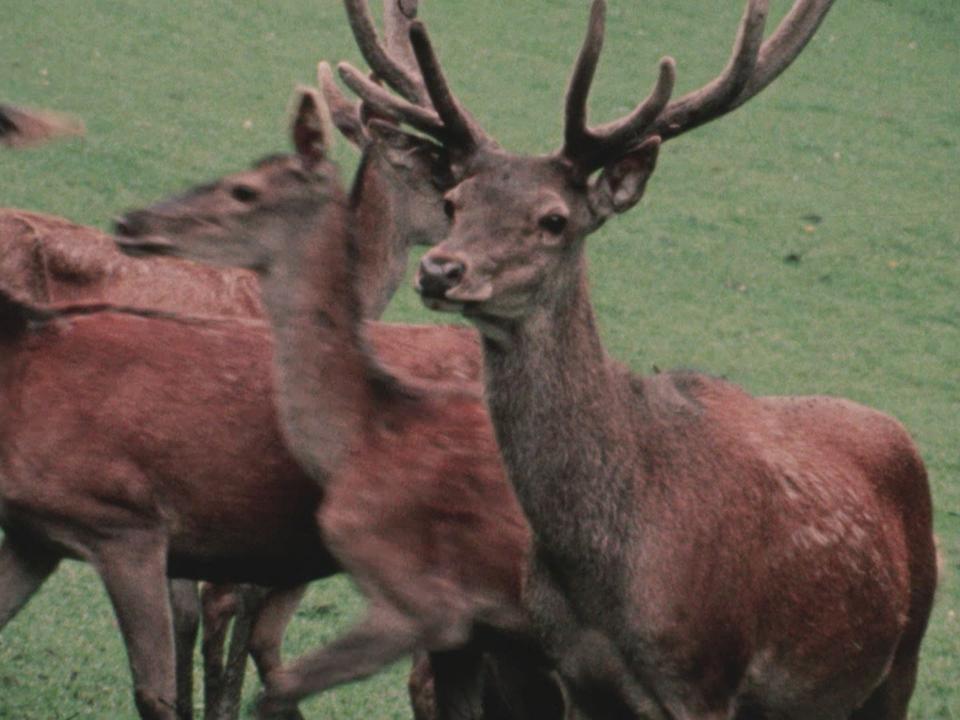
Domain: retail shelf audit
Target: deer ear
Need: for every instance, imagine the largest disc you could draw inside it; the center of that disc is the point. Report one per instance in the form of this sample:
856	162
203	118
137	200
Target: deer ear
311	129
620	185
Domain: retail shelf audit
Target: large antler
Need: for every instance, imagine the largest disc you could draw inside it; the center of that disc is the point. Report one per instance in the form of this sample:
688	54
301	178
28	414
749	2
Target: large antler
425	101
752	66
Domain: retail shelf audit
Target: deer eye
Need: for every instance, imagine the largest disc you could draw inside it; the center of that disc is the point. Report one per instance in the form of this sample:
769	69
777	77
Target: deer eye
553	223
244	193
449	209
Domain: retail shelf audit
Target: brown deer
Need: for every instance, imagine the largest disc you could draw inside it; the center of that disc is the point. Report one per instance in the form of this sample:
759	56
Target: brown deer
22	127
417	507
699	552
52	260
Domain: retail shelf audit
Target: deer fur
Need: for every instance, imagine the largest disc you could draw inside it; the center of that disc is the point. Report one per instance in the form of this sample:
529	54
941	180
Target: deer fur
699	553
441	565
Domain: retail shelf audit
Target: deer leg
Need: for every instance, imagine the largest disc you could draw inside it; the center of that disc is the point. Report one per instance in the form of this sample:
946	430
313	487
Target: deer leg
218	606
248	601
597	682
458	683
383	636
889	701
185	602
518	686
420	687
133	571
22	572
275	612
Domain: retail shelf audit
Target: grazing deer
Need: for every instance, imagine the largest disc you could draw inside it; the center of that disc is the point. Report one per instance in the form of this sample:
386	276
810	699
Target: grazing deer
699	553
417	508
21	127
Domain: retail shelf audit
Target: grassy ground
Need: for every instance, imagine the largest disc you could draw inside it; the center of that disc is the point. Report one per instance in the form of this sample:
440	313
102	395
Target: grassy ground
808	243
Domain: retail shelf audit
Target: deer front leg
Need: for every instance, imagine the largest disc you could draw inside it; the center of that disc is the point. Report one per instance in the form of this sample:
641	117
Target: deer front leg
458	683
594	677
383	636
22	572
185	601
133	570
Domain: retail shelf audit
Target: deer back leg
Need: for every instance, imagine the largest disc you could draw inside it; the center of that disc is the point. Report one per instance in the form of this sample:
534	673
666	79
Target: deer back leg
889	701
185	601
133	570
272	617
22	571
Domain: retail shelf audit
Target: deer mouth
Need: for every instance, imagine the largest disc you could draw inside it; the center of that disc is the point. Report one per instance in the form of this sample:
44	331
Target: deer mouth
145	246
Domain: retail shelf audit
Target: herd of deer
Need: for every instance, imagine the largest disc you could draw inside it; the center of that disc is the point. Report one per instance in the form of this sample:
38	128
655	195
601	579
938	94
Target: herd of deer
551	534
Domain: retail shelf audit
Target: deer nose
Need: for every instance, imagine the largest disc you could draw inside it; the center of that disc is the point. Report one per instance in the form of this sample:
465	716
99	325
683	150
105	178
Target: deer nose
438	275
129	225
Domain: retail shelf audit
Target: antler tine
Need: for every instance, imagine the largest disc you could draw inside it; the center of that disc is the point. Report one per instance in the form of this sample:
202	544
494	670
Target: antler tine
591	147
576	134
787	41
717	97
342	110
397	16
461	130
391	106
379	59
772	58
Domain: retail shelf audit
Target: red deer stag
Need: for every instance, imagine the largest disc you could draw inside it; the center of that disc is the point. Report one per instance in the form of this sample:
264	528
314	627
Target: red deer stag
699	552
417	507
21	127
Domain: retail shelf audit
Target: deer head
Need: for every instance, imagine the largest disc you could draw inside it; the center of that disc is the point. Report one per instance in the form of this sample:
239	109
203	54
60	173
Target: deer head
233	221
519	222
23	127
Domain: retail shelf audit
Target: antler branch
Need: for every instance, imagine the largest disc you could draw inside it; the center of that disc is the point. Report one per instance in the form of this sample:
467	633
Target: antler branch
462	131
753	65
397	15
391	106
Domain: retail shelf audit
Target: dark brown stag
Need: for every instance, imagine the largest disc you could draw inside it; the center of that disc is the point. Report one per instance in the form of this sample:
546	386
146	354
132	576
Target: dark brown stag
417	507
699	552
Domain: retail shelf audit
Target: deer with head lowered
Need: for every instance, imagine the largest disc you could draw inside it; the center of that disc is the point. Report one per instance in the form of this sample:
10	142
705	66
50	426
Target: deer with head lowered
417	507
699	553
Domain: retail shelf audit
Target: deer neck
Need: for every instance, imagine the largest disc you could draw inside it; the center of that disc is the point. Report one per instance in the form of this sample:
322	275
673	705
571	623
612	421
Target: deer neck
322	371
378	222
554	403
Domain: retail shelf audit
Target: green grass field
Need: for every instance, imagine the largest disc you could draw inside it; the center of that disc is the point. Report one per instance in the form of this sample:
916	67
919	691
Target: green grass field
809	243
